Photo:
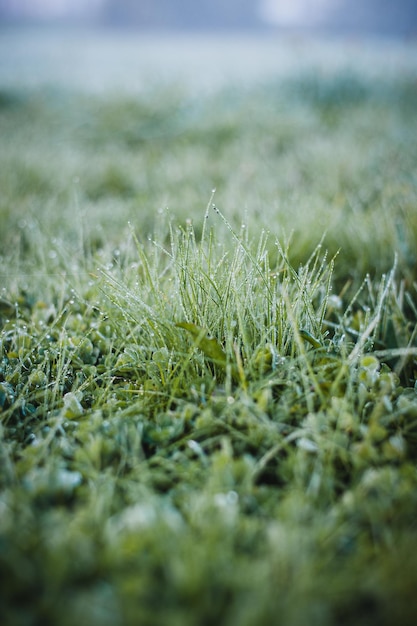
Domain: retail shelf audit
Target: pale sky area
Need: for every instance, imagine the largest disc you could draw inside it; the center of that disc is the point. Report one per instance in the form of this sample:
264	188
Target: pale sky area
280	12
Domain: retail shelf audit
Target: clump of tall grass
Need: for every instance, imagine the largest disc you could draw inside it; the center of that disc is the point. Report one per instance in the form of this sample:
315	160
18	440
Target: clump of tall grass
197	409
205	321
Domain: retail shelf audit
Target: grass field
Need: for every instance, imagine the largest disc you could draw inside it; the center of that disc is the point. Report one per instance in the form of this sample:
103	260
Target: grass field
208	340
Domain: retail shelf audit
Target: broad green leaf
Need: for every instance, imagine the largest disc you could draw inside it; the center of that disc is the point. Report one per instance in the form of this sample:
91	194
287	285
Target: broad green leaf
311	340
209	345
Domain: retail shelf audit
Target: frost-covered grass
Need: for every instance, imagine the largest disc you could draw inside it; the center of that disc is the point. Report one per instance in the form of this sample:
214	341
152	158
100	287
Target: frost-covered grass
208	403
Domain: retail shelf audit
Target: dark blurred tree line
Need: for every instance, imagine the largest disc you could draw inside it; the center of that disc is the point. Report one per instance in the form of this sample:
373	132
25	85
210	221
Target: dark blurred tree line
383	16
378	16
183	14
396	17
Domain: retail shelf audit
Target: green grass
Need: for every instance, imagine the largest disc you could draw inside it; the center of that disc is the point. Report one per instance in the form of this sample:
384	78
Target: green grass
208	401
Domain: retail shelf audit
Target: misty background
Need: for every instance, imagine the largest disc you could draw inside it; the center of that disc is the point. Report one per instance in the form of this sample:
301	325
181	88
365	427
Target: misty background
392	18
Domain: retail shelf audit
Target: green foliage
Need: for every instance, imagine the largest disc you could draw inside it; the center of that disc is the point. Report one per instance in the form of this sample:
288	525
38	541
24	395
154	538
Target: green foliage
203	418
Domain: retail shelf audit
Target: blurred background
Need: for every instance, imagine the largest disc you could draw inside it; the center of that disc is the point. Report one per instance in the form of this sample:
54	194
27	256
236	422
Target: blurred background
300	112
393	18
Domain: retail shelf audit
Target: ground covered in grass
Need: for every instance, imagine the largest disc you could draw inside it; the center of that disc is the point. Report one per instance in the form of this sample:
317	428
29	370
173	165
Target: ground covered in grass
207	399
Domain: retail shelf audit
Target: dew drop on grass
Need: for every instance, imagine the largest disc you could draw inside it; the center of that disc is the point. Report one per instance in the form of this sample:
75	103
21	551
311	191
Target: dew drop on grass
232	497
226	500
307	445
196	448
